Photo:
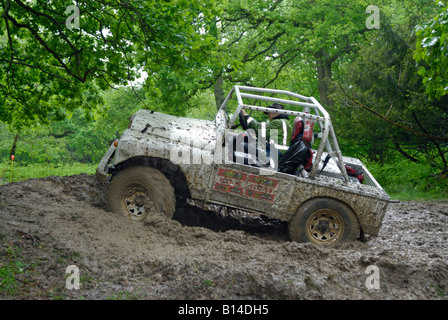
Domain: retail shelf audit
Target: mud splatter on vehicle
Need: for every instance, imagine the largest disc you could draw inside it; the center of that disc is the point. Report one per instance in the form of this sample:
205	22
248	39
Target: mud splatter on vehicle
163	159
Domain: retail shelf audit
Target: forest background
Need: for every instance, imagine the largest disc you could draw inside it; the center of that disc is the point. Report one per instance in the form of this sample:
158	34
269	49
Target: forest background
71	73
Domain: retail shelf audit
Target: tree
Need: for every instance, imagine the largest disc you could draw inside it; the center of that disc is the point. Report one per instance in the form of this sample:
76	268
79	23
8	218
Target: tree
277	35
432	54
384	111
53	60
89	139
262	43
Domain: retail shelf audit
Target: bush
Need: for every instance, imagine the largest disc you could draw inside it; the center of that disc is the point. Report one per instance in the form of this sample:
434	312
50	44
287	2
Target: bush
408	180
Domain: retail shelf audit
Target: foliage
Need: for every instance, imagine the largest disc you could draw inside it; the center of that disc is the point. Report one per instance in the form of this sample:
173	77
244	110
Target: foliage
35	145
90	140
66	93
77	138
51	63
382	105
203	106
262	43
407	180
432	53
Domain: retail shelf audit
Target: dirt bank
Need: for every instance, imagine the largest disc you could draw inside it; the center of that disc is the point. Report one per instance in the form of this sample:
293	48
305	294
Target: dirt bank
49	224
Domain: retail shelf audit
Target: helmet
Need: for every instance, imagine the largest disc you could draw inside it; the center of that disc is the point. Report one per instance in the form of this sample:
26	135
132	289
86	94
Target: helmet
275	105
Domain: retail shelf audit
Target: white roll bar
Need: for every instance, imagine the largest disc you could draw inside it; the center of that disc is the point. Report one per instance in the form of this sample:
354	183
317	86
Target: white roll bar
328	140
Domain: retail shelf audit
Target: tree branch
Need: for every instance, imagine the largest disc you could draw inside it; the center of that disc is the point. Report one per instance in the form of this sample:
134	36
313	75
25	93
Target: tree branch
434	141
277	73
42	42
390	121
37	67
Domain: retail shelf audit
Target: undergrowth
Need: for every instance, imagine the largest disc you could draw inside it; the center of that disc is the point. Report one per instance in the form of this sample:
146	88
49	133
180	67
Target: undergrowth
407	180
20	173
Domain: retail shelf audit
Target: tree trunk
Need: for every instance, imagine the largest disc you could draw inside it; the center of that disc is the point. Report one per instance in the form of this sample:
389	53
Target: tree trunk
14	145
218	91
217	86
323	65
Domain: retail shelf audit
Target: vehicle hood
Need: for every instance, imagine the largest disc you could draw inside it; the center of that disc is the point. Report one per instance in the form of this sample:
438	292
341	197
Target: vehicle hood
196	132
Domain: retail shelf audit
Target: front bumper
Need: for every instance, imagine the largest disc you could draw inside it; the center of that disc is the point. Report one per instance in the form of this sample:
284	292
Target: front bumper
103	167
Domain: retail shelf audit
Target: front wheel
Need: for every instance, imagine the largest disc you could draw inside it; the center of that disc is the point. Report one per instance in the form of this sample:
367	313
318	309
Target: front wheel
324	221
135	192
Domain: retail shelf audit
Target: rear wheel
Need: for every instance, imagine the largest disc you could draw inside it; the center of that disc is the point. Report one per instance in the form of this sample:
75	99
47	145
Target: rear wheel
323	221
136	192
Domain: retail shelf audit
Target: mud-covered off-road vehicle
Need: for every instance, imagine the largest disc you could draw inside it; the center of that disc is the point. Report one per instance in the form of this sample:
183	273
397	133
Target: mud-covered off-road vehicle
161	159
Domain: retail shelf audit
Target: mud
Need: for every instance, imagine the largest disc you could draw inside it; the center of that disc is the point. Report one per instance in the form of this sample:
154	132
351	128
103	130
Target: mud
49	224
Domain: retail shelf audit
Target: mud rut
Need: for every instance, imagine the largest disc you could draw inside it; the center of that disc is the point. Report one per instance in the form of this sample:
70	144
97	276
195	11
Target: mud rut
49	224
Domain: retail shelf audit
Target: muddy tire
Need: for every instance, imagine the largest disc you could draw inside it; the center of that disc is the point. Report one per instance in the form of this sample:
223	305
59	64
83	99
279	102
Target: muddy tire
136	192
323	221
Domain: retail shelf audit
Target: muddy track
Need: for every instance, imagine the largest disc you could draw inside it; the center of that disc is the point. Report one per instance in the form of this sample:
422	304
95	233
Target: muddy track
49	224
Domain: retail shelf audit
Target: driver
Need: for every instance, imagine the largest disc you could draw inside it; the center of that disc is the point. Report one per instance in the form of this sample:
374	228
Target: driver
277	130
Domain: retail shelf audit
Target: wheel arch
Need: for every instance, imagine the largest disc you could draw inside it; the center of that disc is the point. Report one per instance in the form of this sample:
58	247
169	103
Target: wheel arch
172	171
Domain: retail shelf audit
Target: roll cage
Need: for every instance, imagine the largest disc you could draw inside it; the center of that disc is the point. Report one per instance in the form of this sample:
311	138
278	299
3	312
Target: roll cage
309	108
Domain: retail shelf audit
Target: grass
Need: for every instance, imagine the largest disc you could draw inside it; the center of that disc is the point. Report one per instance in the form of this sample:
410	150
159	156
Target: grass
10	270
207	283
20	173
406	180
